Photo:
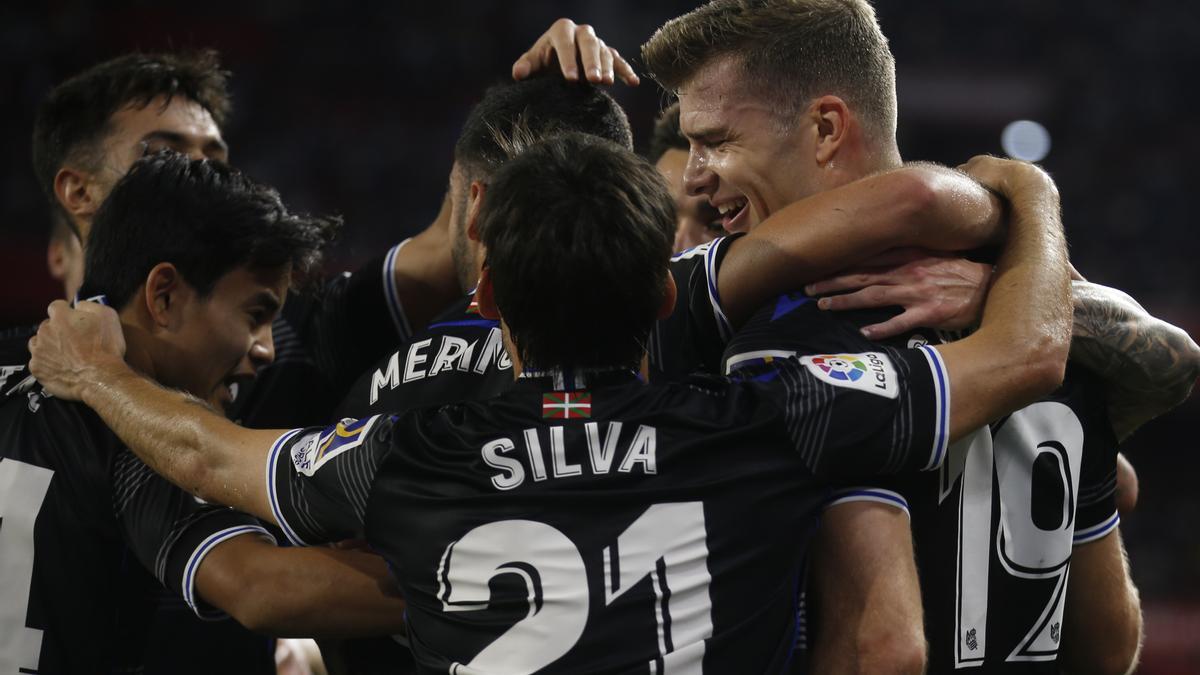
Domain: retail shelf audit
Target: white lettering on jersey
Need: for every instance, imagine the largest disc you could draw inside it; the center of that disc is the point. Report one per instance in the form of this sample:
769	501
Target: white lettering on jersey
601	451
414	359
452	354
7	372
870	372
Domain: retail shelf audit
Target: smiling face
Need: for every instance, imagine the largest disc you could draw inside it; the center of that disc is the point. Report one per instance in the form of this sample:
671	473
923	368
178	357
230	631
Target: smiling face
217	342
745	159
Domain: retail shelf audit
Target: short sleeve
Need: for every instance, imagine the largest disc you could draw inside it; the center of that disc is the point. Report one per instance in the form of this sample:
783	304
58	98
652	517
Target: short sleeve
319	479
169	530
857	416
693	337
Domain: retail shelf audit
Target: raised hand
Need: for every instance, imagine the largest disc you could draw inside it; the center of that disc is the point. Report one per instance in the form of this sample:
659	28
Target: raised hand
570	45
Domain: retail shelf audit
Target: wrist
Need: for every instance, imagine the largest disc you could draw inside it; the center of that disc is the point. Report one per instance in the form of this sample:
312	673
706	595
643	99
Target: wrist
102	377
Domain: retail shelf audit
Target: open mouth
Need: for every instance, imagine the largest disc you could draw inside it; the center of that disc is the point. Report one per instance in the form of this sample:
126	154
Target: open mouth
735	214
231	388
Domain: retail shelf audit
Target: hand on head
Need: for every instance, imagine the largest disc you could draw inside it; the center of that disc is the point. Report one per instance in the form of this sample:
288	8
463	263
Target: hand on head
570	45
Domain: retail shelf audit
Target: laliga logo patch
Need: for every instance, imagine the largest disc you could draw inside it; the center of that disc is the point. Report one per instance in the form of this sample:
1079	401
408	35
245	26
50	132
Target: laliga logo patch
313	450
869	372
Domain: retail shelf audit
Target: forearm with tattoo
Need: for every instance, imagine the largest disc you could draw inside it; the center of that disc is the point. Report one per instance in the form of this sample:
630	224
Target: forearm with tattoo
1149	365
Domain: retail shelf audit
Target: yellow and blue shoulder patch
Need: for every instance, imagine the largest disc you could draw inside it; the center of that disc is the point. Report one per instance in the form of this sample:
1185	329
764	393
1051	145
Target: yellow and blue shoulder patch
315	448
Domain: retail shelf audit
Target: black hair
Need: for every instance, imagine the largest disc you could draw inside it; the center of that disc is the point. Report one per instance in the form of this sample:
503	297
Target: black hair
75	116
578	233
205	218
666	135
542	105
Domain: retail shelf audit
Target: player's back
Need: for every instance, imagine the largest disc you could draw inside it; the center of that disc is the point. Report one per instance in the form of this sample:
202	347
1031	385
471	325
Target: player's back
71	598
612	529
994	531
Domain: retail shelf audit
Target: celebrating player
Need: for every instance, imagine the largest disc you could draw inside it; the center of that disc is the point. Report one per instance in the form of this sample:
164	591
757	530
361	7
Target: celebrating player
558	524
198	259
777	114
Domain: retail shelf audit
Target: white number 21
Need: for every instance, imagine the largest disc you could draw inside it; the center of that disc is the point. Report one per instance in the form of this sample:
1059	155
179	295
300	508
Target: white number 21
668	543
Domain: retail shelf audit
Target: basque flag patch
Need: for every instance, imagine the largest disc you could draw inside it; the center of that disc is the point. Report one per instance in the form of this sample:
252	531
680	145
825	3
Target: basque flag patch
567	405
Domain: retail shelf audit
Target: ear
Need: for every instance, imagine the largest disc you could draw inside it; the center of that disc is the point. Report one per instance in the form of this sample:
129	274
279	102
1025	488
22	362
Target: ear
76	190
832	119
163	294
669	294
474	204
485	296
59	254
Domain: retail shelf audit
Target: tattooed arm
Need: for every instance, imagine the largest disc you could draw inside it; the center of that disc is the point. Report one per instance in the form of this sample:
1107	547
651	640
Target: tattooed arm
1148	364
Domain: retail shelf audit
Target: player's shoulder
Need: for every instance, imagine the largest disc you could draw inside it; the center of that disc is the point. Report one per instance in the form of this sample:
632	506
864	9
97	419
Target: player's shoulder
14	350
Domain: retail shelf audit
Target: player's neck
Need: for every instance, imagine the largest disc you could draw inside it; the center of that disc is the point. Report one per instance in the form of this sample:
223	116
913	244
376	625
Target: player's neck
139	345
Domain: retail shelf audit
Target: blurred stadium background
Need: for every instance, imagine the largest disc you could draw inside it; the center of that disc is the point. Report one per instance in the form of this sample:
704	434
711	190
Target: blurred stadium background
354	108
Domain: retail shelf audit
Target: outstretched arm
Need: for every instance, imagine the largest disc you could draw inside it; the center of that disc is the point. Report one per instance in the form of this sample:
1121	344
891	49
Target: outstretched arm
919	205
1149	366
78	354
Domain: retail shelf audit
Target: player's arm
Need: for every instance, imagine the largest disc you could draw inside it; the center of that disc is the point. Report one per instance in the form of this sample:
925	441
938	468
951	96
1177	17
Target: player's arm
864	590
301	591
78	355
1019	352
919	205
1149	366
1101	601
422	272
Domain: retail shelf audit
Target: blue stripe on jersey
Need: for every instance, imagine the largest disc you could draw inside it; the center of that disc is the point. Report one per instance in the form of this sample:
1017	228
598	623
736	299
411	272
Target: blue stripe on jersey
197	557
714	296
272	496
867	494
484	323
1097	531
392	293
941	435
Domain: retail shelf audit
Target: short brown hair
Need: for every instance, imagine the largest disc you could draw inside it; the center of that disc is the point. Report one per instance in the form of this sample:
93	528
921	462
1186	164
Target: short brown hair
75	116
789	50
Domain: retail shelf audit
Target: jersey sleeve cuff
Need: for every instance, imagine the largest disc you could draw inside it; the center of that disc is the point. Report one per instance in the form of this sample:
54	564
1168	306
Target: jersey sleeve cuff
712	265
392	293
866	494
276	458
188	591
1089	534
941	393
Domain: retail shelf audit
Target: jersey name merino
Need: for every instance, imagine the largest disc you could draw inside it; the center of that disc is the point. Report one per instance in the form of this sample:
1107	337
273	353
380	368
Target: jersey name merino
83	523
994	526
589	521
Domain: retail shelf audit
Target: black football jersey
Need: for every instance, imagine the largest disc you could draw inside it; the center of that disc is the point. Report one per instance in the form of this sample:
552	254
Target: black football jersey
693	337
459	356
14	353
586	521
993	555
85	530
322	343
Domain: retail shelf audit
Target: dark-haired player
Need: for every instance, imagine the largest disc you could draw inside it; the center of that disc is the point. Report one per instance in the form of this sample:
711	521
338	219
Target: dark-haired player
88	131
585	520
198	260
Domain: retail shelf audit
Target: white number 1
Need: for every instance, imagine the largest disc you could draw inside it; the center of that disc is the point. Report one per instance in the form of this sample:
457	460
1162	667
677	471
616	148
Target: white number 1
23	488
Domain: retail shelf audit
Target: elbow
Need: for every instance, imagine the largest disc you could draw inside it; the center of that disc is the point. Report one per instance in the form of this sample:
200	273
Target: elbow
895	653
1043	365
913	197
